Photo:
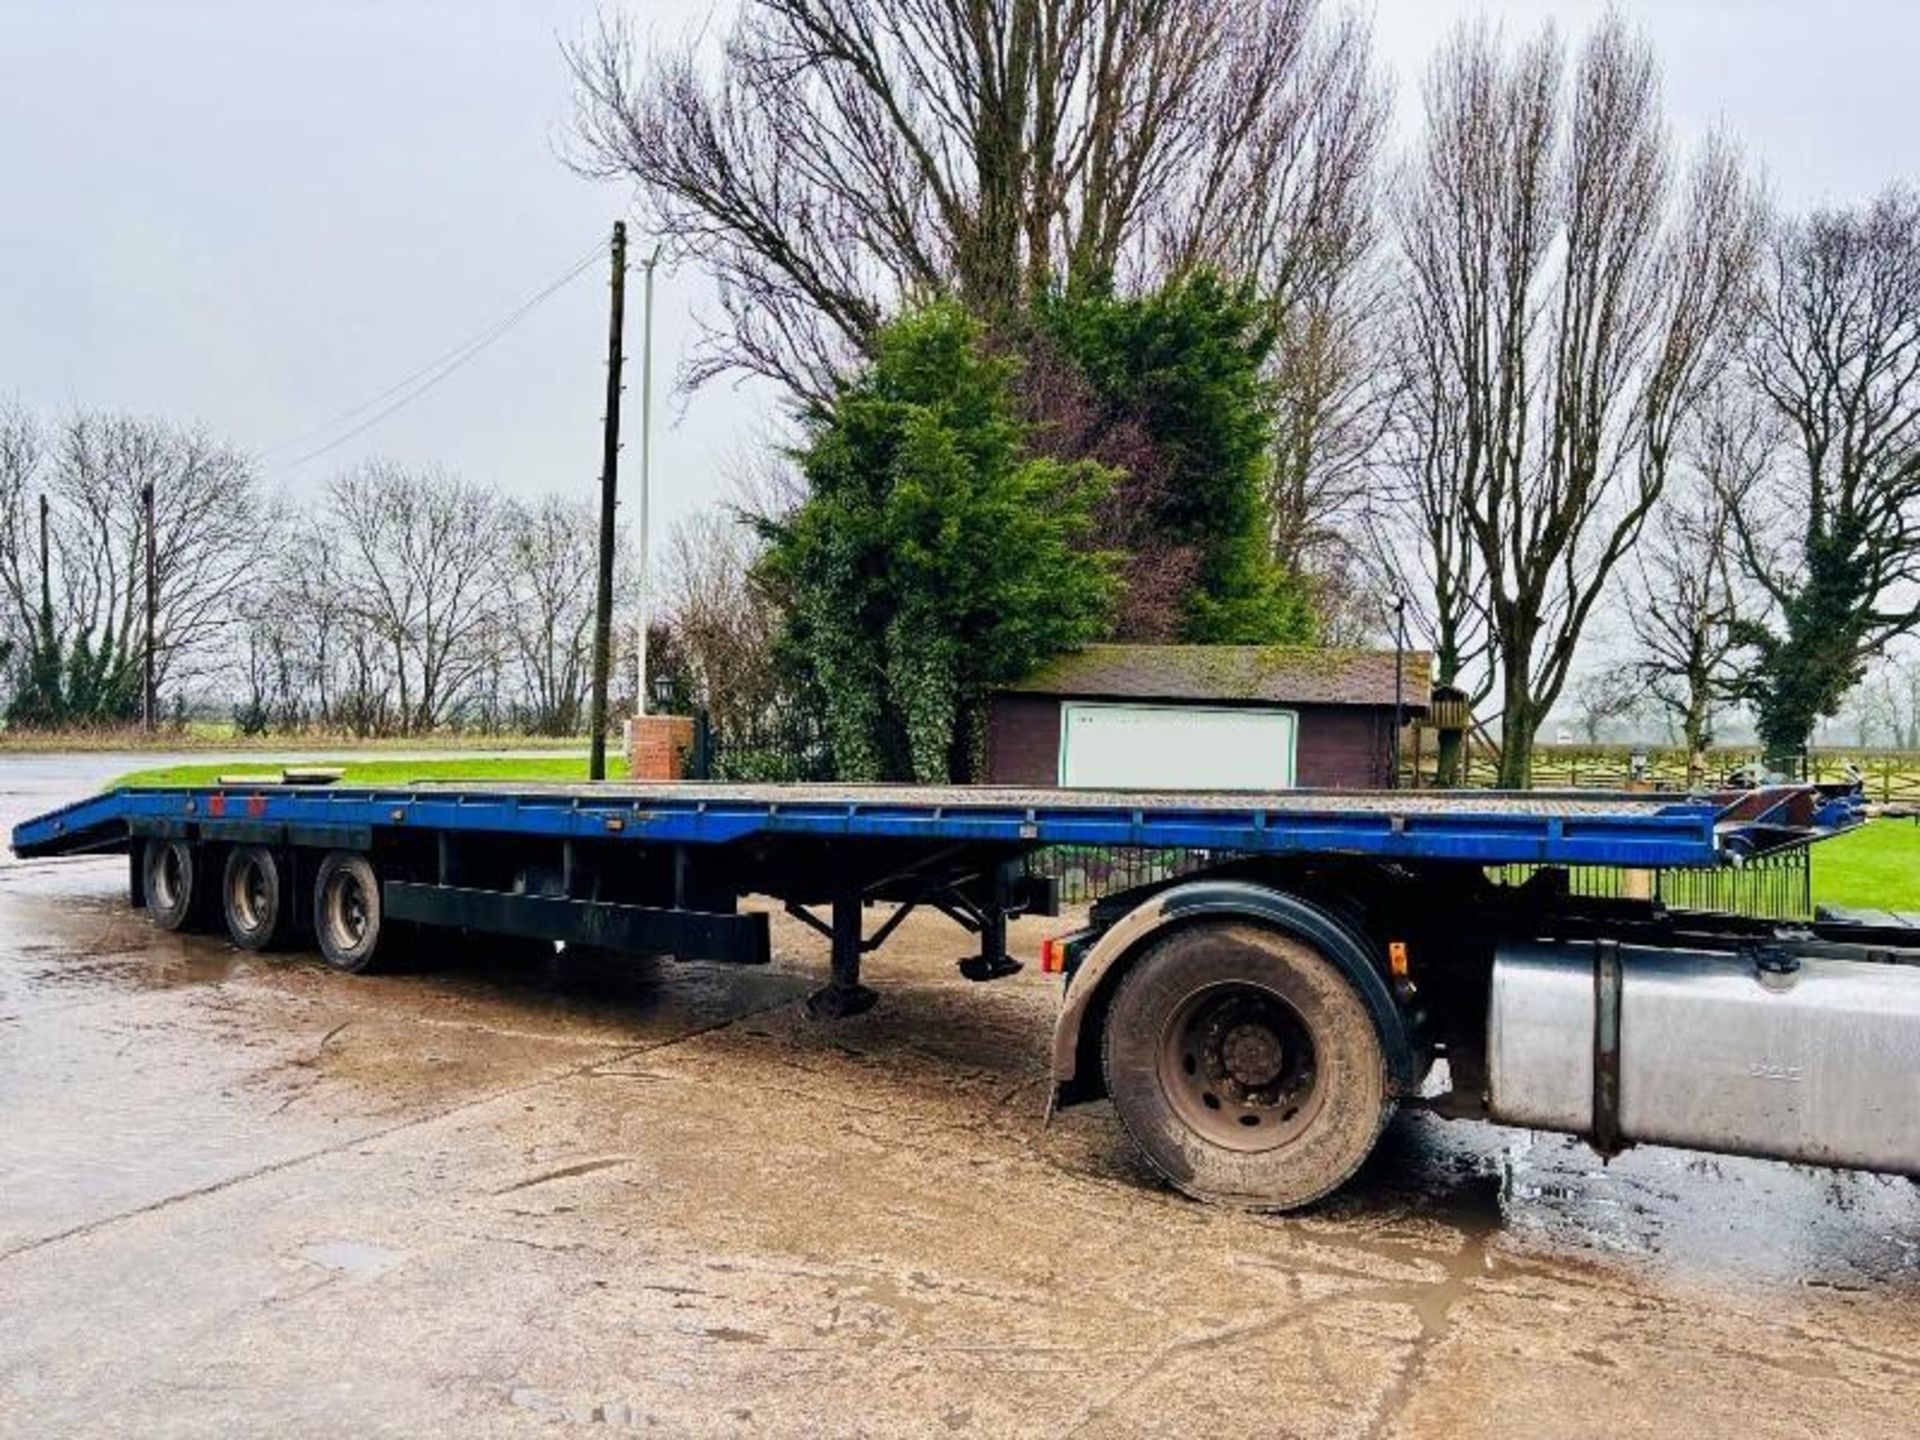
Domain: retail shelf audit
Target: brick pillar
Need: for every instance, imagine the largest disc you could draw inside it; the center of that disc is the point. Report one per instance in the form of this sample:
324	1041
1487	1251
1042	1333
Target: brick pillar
658	746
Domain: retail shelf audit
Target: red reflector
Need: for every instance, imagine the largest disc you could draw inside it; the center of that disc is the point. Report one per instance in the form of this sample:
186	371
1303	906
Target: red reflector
1053	957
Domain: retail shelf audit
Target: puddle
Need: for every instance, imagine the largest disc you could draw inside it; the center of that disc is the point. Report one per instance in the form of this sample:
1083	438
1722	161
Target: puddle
78	942
1674	1216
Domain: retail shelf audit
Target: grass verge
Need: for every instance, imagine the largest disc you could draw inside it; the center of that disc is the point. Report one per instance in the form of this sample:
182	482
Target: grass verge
210	736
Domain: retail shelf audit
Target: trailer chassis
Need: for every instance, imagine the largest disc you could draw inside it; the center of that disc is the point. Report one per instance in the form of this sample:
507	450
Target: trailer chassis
683	902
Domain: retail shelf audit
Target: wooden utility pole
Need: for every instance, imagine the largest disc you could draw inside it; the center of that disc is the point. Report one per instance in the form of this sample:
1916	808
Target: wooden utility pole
43	666
609	499
149	699
46	568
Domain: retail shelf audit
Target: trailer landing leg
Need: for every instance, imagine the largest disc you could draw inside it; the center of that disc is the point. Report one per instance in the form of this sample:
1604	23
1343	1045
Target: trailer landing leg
993	962
844	995
981	911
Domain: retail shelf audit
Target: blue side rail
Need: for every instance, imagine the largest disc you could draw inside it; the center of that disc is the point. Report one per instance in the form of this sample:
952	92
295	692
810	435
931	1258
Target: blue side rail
1638	831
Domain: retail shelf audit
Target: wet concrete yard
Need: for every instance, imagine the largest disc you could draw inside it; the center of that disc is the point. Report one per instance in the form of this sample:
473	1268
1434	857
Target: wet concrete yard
500	1194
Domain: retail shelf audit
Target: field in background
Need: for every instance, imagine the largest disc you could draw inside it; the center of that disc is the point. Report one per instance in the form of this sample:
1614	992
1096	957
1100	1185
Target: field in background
220	735
388	772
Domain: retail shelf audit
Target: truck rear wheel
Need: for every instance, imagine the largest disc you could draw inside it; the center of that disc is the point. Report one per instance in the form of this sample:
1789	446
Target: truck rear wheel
253	896
347	913
171	881
1245	1066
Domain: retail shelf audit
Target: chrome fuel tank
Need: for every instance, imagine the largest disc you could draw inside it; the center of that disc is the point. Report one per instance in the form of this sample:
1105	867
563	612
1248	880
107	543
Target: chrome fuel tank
1816	1060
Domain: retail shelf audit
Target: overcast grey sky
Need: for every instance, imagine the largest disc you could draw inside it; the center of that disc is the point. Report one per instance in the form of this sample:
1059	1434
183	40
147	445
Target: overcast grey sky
259	215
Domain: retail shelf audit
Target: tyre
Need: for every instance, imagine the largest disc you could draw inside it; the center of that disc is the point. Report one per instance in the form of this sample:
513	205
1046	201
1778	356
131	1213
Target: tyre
253	897
347	919
170	877
1245	1066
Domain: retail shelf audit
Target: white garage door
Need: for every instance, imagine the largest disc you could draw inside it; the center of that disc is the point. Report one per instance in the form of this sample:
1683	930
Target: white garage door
1175	747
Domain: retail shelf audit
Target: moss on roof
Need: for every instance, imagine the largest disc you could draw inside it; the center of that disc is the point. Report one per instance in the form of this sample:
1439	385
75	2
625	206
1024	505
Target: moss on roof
1271	674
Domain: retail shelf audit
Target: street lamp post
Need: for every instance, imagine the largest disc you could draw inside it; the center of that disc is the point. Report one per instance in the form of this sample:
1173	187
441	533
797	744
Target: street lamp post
645	585
1399	682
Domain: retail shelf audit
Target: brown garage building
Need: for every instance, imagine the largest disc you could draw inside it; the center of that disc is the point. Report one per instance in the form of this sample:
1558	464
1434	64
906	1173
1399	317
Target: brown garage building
1205	716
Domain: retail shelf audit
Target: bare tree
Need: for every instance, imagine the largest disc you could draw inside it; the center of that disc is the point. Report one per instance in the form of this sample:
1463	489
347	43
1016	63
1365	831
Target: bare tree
1576	300
1833	537
1602	698
854	151
22	449
550	555
1332	411
1894	686
1684	609
267	664
417	556
1904	683
723	626
1419	525
317	624
1873	712
210	531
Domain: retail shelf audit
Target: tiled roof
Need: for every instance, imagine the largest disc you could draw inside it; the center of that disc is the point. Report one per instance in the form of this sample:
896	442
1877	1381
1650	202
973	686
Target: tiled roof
1276	674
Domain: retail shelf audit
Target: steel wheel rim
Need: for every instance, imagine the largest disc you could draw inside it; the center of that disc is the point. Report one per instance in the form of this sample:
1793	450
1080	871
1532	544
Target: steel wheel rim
1239	1066
169	879
348	913
249	894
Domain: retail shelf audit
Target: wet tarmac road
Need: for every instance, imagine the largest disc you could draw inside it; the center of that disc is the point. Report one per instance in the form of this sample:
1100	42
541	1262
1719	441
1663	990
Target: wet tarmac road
509	1195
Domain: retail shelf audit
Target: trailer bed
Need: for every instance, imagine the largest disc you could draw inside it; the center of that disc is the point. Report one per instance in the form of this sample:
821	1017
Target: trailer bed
1639	830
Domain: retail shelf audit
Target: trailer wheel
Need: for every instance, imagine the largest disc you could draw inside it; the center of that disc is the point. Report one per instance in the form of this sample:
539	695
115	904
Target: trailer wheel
253	897
347	919
1245	1066
170	876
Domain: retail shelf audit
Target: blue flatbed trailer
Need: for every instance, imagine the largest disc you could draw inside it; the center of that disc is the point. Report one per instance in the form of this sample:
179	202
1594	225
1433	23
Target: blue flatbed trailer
1483	828
1253	1022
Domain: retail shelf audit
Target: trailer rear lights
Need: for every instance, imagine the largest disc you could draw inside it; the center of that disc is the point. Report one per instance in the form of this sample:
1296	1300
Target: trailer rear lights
1053	956
1397	959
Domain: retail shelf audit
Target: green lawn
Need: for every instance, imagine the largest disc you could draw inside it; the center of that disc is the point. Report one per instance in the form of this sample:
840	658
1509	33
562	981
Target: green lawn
387	772
1877	867
212	735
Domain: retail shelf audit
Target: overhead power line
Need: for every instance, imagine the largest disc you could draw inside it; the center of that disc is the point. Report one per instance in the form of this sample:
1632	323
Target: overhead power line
405	391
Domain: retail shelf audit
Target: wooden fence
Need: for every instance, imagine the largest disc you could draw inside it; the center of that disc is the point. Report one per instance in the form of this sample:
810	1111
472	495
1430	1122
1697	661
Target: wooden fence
1890	777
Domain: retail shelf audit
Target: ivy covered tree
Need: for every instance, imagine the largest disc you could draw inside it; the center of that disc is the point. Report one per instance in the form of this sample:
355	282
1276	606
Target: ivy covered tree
40	695
1182	368
39	699
1832	536
934	557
